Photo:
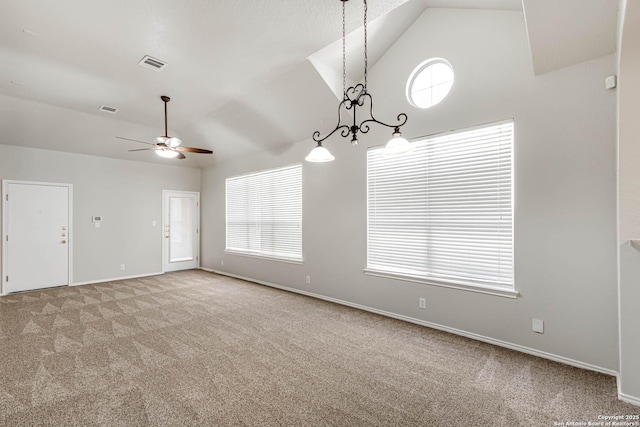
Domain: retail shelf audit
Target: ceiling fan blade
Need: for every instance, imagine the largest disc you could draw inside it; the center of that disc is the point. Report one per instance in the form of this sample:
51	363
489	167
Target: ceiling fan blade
143	149
134	140
181	156
193	150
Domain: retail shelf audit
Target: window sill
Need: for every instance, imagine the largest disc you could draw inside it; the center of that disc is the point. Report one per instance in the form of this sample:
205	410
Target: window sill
267	257
488	289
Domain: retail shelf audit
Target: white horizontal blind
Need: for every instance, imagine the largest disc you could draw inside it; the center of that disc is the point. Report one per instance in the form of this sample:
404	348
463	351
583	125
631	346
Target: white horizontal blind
264	213
444	211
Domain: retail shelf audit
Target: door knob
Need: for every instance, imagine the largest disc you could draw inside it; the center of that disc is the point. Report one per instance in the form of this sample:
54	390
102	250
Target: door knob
166	236
64	241
64	234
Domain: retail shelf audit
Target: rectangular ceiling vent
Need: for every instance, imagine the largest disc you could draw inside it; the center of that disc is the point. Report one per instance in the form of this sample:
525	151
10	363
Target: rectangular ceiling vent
152	63
108	109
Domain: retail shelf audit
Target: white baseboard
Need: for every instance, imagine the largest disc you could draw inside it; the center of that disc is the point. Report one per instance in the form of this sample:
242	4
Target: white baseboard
92	282
500	343
629	399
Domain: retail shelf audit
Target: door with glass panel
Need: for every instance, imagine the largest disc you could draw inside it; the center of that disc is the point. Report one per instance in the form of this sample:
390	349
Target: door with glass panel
180	230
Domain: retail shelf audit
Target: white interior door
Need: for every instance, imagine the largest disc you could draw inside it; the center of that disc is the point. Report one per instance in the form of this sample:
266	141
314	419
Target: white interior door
181	223
36	239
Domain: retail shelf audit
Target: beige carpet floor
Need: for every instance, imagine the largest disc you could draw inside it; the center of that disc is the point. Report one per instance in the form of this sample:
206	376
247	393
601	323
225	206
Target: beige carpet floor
195	348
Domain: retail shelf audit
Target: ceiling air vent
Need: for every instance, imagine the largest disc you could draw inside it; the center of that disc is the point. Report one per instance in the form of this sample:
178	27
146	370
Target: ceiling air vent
108	109
152	63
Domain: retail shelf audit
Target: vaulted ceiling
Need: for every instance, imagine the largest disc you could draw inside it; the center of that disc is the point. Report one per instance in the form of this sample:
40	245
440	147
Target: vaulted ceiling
243	75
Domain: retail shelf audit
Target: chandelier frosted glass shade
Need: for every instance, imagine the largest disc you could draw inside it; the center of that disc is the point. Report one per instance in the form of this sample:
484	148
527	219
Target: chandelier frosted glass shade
319	155
397	146
168	154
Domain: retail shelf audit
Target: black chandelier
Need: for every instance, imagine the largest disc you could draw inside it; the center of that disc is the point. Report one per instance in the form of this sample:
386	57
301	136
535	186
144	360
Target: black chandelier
354	97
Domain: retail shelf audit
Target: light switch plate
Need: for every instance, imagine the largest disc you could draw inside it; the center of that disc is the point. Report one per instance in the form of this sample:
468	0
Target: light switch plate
610	82
537	325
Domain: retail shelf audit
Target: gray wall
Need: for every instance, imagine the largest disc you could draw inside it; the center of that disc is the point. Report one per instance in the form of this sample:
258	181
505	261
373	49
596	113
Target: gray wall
127	194
629	202
565	203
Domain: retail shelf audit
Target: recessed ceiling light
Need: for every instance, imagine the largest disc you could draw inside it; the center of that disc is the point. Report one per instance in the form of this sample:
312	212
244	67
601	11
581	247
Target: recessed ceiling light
152	63
107	109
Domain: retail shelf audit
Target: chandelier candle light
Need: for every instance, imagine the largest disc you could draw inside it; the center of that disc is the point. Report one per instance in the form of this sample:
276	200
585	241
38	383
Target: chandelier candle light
354	97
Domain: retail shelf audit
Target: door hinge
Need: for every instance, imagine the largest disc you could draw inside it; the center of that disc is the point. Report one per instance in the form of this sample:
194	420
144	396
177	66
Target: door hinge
7	197
197	231
7	279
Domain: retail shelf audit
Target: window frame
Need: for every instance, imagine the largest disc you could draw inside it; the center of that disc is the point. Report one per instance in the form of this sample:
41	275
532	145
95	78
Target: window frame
261	253
416	73
473	285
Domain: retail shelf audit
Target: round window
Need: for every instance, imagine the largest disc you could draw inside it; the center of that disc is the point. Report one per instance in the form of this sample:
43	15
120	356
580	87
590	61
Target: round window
430	83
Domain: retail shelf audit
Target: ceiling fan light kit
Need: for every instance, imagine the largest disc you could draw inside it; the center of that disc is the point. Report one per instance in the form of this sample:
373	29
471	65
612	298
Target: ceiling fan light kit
174	142
166	140
166	153
171	141
168	146
354	97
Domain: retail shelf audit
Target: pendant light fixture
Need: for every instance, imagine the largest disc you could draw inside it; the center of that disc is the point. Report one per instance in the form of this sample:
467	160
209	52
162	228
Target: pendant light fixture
354	97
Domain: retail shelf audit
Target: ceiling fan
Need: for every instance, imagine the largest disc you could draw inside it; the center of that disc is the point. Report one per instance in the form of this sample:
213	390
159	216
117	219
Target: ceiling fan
168	146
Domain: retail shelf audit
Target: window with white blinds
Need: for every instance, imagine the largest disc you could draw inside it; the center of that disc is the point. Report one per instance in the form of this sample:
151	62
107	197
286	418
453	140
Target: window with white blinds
444	213
264	213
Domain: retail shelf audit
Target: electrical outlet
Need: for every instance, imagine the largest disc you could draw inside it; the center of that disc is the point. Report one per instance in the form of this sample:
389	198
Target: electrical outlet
422	303
308	280
121	267
537	325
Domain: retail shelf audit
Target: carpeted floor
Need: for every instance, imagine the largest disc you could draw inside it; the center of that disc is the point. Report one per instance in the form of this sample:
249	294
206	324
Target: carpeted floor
195	348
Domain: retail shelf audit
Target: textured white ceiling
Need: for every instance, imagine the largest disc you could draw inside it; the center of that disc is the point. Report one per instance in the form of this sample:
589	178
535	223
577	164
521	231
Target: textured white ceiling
79	54
238	71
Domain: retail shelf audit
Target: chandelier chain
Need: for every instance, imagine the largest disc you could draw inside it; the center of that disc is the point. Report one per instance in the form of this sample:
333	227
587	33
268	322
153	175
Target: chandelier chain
366	58
344	51
356	96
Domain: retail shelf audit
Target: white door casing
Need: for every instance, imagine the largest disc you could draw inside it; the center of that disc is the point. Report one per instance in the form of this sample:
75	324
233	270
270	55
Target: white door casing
36	235
180	230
